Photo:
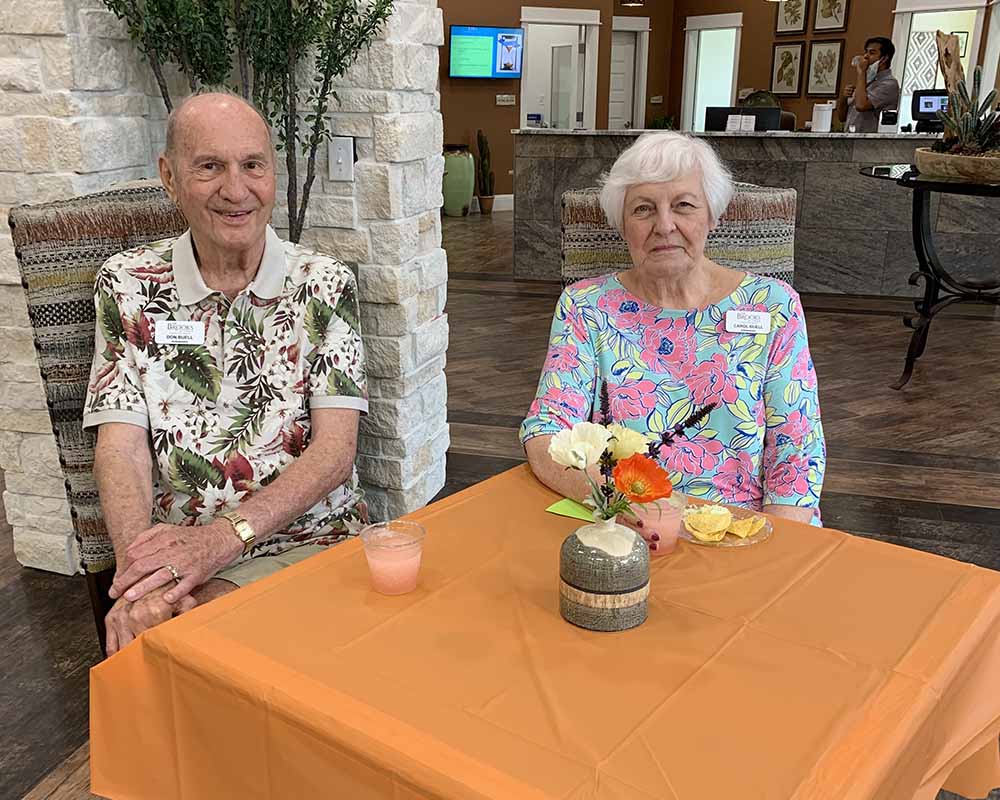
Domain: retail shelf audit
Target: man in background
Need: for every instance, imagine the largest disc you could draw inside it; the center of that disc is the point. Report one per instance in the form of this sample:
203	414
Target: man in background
874	91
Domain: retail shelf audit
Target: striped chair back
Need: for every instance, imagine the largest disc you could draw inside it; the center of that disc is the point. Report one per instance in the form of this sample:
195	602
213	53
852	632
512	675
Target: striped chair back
59	247
756	234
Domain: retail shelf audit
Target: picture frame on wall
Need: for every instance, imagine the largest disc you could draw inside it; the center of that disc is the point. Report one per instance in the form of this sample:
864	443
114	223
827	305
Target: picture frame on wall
963	42
786	68
823	76
831	16
791	16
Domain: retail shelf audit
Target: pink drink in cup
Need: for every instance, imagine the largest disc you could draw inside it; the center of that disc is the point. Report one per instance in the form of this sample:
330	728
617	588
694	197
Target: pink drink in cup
393	550
662	518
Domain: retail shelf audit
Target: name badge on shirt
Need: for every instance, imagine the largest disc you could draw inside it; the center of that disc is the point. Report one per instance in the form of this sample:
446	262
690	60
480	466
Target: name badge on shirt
174	332
747	321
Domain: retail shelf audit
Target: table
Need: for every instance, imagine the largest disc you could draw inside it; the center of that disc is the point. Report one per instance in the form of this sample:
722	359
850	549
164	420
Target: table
941	288
815	665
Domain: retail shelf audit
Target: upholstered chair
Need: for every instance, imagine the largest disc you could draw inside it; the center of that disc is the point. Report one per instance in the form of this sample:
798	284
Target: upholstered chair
59	247
756	234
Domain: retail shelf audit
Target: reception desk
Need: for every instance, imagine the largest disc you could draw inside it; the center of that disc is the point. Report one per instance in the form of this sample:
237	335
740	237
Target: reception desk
853	234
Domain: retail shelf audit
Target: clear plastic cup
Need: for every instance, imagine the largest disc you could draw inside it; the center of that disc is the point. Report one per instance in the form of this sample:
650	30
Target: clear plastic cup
393	550
663	519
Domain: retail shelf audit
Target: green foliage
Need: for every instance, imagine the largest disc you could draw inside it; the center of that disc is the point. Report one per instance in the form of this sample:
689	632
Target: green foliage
663	123
289	53
190	473
971	126
193	368
485	179
193	34
318	316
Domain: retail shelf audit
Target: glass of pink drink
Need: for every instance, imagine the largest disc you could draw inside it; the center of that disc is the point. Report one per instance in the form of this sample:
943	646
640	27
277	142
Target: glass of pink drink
393	550
663	519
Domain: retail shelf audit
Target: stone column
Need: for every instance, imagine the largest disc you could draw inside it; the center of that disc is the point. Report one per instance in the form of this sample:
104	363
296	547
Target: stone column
387	226
403	277
72	120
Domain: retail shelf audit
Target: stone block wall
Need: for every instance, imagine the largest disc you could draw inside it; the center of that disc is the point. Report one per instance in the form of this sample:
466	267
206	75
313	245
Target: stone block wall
73	119
79	111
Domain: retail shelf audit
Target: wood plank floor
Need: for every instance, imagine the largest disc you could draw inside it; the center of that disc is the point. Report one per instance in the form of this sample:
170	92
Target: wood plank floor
919	467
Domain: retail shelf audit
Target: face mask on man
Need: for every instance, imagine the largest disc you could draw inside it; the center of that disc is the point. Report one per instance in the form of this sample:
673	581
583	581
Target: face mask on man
873	71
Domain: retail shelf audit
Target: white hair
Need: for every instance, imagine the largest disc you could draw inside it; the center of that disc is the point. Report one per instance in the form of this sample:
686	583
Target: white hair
663	157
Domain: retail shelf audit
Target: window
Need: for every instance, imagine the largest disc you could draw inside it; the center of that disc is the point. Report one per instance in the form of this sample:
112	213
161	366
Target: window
914	34
711	64
559	83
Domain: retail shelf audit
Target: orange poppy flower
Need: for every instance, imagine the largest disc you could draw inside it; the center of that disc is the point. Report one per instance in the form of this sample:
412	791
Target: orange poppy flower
641	480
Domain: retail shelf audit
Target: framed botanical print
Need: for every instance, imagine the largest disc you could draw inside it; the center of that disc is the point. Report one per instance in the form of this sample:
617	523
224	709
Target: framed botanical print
823	77
791	16
786	68
831	15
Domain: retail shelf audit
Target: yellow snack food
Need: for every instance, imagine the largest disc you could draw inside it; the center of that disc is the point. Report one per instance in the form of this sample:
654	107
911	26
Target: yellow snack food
740	527
708	523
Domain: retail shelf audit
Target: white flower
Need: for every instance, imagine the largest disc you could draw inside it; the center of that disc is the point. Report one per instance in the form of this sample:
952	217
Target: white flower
580	446
173	402
218	500
626	442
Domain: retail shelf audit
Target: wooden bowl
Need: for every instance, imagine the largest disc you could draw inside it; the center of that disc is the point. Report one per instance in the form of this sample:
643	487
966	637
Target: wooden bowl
946	165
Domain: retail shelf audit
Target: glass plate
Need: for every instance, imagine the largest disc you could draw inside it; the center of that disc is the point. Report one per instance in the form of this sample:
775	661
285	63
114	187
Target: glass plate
730	540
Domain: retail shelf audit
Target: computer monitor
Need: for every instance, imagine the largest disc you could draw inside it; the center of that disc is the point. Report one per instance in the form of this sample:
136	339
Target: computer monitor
767	119
927	102
924	107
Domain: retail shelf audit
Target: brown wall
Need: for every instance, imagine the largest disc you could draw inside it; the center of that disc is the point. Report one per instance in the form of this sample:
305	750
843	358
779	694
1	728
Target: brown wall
865	18
468	104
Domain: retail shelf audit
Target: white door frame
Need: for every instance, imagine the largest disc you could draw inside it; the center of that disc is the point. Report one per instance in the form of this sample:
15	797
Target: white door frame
641	27
692	29
903	17
991	58
590	21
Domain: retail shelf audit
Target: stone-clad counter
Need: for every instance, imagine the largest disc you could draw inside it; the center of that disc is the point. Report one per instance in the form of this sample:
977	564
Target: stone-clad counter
852	233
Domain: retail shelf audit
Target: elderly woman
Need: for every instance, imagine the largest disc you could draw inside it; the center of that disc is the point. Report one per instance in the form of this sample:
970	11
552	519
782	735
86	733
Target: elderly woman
664	336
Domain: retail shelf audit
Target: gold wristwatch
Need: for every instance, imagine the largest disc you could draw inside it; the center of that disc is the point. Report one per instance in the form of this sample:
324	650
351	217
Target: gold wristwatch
241	528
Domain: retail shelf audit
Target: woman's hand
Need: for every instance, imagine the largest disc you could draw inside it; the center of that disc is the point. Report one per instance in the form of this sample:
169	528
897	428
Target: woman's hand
194	553
127	620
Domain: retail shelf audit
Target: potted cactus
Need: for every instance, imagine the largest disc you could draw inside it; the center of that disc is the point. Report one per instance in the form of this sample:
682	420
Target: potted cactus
485	180
971	144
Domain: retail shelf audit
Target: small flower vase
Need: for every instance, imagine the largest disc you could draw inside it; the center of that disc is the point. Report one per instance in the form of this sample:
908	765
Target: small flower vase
604	577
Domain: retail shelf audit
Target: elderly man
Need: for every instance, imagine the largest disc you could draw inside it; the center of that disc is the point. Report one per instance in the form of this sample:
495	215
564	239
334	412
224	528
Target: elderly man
227	384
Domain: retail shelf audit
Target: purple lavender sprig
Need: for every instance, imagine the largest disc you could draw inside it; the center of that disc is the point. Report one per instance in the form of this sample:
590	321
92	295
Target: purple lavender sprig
667	438
605	404
606	462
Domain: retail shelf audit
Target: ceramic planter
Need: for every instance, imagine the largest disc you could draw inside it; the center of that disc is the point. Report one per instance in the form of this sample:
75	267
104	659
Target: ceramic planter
604	577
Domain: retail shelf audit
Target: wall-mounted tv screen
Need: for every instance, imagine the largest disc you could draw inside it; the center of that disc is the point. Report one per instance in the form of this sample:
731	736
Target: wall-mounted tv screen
479	52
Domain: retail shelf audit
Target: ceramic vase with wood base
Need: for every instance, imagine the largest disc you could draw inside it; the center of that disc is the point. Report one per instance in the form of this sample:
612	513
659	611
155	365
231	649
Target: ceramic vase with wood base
604	577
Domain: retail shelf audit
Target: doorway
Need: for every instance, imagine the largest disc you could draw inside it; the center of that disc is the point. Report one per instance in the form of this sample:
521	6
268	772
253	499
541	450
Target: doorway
711	65
559	80
629	69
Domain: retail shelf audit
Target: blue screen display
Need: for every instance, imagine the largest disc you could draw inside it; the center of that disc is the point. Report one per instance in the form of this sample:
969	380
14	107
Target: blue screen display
480	52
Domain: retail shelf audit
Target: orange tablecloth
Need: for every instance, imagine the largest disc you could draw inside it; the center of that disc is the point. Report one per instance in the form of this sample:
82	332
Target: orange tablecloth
816	665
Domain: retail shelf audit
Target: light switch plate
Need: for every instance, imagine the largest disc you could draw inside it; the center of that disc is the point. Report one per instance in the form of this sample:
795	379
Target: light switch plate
341	158
656	100
505	100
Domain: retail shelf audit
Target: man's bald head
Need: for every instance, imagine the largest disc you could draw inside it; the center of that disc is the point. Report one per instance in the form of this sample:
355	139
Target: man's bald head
210	109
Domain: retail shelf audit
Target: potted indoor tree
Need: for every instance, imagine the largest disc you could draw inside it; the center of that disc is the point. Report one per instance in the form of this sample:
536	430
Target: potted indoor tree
971	144
485	179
